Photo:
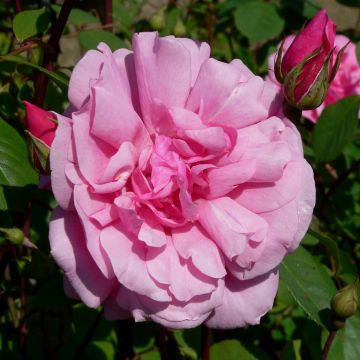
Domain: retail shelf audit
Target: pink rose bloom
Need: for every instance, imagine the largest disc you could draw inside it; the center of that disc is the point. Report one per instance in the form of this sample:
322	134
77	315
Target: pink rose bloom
345	83
180	190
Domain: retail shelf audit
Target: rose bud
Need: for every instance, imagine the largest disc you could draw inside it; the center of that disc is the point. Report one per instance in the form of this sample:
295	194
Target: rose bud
41	126
14	235
347	79
306	70
345	301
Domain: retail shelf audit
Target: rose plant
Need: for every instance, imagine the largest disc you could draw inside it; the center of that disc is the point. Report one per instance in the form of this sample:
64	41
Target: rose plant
180	185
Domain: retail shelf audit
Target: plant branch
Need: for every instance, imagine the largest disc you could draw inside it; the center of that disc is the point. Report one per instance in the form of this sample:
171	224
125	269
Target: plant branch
52	50
18	6
124	337
329	341
108	16
23	281
205	343
291	112
162	339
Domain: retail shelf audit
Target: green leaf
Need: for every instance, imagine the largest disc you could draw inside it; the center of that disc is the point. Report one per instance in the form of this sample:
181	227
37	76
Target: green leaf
90	39
358	52
100	350
292	350
151	355
231	350
5	43
330	245
309	284
189	339
3	204
78	17
143	336
335	128
31	22
348	267
346	344
61	80
15	169
258	20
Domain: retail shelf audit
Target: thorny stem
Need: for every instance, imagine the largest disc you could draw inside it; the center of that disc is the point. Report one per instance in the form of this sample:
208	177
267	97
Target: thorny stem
329	341
52	50
30	45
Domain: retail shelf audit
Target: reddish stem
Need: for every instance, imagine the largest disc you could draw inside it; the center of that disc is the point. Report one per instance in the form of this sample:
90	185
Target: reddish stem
205	343
162	344
18	6
329	341
109	15
52	50
124	329
23	330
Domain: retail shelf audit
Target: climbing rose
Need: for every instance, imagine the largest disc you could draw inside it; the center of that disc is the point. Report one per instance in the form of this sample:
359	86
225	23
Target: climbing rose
180	190
345	83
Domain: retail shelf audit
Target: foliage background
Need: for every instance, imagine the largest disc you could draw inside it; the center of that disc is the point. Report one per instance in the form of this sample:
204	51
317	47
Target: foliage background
37	321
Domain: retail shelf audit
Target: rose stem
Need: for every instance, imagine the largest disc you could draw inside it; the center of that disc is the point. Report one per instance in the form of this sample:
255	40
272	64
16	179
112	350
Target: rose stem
329	341
205	343
23	281
125	341
291	112
162	338
52	50
108	16
18	6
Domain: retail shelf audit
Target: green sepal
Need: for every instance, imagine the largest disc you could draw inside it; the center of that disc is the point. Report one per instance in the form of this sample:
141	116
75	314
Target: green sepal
337	62
39	154
277	66
316	94
290	80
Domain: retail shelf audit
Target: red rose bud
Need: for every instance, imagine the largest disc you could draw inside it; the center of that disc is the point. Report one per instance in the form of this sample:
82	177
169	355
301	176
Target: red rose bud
41	126
306	69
